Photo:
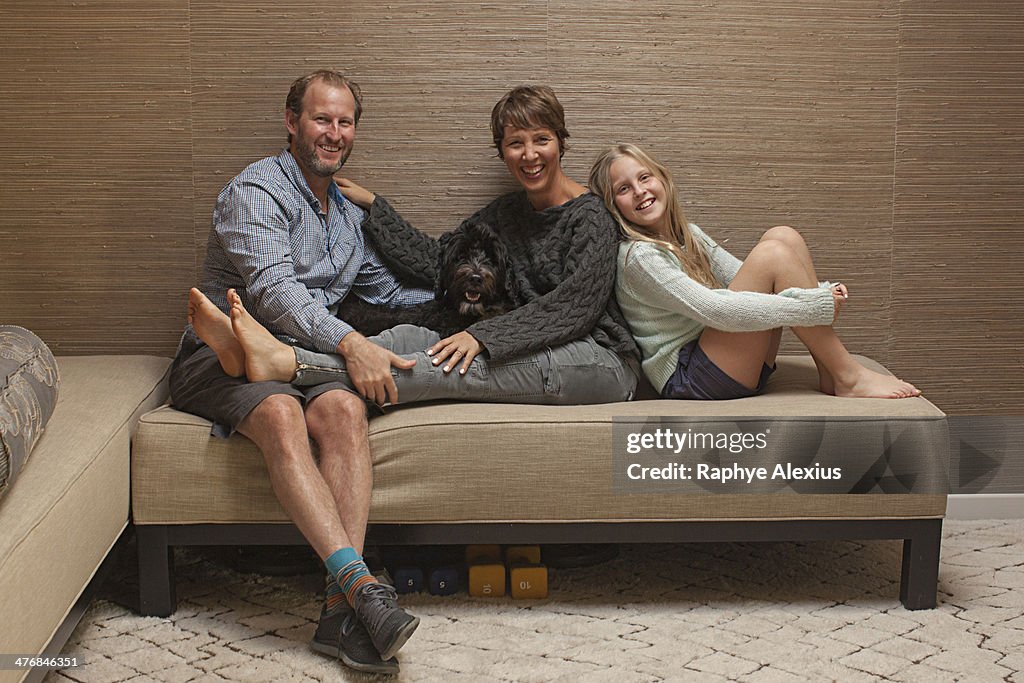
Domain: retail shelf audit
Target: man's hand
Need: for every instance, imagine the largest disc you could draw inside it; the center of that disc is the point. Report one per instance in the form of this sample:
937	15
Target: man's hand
460	346
370	365
356	194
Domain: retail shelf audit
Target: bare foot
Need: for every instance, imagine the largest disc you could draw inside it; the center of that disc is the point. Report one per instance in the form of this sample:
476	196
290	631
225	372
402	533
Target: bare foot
214	328
870	384
826	384
266	358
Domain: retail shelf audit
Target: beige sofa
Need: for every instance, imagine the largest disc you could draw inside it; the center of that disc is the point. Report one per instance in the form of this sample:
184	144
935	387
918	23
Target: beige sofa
70	503
452	473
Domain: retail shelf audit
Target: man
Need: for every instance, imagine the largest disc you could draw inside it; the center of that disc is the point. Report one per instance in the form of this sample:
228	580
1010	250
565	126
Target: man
290	245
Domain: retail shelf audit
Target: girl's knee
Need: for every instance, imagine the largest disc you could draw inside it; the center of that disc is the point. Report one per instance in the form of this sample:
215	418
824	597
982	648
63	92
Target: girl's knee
784	234
773	251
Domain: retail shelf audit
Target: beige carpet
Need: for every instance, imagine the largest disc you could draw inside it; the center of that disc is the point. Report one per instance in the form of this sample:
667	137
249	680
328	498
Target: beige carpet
700	612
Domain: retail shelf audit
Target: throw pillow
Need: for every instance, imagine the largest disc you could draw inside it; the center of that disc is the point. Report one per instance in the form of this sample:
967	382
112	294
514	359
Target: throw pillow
28	393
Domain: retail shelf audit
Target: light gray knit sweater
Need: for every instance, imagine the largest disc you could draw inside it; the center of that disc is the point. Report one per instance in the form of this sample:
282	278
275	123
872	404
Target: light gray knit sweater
666	309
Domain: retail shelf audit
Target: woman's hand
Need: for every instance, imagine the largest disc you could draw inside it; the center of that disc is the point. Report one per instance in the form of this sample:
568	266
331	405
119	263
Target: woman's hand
839	296
357	194
460	346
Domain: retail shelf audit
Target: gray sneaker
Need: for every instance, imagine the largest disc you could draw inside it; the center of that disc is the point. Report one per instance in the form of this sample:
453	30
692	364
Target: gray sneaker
388	624
343	636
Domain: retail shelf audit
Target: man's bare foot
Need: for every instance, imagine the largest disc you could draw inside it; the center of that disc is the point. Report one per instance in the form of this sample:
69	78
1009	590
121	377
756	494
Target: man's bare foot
214	328
870	384
266	358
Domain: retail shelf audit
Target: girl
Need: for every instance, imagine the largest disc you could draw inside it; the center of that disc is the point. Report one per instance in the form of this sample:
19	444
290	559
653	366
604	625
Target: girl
708	324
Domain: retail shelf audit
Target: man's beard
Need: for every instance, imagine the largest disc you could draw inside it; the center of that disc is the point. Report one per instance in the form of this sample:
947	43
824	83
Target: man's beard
316	165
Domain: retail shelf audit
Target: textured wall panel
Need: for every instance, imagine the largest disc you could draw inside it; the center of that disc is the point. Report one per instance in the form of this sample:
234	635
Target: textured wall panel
958	317
889	132
96	184
769	113
430	74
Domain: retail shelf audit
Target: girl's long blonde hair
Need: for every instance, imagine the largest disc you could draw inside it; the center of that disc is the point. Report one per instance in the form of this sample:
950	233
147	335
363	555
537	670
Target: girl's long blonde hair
687	248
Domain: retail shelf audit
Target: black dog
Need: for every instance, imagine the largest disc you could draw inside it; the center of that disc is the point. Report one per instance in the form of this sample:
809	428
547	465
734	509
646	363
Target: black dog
474	282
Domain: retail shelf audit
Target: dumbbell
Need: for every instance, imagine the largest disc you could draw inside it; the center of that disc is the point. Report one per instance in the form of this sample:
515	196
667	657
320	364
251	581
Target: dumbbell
528	578
408	579
444	580
522	554
529	581
486	572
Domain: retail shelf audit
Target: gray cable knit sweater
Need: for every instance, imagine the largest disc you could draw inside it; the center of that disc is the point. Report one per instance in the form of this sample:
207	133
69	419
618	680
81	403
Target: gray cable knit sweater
564	261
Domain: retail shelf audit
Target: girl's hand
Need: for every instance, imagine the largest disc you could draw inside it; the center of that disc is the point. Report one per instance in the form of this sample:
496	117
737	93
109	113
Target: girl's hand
356	194
839	296
460	346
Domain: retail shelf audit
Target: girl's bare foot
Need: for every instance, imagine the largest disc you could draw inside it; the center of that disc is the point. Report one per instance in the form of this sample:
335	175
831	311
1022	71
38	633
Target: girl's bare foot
826	384
266	357
214	328
870	384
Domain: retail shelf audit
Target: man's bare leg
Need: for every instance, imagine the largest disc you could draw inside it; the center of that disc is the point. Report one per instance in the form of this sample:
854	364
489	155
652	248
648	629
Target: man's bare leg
214	328
337	422
265	356
278	428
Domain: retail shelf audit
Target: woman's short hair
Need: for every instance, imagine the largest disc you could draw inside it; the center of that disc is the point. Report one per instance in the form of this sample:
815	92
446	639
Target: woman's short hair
529	106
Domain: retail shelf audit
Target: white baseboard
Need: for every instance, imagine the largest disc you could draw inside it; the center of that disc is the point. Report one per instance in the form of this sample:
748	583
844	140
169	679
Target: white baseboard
985	506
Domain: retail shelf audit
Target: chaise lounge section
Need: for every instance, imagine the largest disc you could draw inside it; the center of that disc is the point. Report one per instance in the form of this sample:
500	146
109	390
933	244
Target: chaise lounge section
69	505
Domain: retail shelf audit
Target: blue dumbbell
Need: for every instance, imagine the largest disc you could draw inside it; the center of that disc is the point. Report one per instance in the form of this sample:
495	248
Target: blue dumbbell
444	581
408	579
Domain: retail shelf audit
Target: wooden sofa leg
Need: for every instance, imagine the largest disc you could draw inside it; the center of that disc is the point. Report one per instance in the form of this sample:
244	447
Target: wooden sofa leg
919	582
156	572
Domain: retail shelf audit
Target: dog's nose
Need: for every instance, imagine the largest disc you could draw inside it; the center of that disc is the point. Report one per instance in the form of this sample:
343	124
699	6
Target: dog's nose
476	280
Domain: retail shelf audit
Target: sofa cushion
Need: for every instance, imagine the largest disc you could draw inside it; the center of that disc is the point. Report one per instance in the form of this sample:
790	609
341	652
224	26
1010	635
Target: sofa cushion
28	393
463	462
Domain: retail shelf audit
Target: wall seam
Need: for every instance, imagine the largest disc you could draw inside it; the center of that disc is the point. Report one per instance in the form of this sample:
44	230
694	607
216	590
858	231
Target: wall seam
191	140
891	336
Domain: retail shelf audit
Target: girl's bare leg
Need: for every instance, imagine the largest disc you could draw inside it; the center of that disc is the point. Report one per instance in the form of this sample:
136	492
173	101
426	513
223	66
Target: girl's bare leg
795	241
773	265
214	328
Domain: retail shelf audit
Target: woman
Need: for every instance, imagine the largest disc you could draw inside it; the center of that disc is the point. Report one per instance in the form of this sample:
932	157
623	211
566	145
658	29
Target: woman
708	324
564	343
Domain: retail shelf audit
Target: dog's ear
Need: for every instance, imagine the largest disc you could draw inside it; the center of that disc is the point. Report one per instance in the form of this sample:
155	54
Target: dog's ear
503	261
450	243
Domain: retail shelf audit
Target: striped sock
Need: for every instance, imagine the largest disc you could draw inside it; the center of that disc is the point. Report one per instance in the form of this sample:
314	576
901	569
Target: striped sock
334	597
354	576
350	572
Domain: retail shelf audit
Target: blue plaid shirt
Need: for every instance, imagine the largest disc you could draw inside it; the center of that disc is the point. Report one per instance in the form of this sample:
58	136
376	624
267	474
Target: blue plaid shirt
291	260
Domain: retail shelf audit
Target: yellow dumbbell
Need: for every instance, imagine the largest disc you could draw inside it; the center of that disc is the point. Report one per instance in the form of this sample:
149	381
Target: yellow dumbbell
529	581
487	580
483	554
522	554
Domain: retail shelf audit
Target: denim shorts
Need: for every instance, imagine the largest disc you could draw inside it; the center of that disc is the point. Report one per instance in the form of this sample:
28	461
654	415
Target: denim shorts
697	377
